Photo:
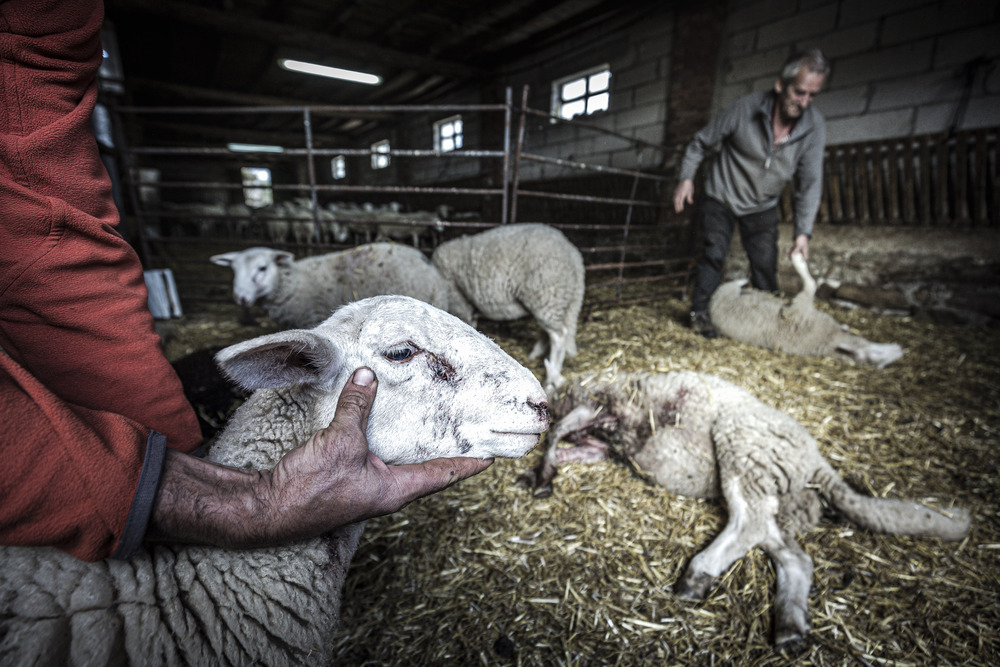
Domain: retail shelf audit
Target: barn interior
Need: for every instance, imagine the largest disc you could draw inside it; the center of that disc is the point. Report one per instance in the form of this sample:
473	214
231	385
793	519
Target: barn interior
575	113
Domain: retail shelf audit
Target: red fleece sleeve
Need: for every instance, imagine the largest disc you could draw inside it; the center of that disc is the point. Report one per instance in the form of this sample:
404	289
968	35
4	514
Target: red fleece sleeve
69	473
84	379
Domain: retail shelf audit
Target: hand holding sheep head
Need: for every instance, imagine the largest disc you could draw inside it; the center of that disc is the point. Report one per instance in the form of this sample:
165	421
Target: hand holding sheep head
320	450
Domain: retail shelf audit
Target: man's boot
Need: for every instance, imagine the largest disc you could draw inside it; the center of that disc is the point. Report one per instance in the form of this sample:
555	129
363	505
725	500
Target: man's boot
702	323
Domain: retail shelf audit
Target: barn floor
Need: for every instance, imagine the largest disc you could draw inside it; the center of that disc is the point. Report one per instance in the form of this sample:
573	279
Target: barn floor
483	573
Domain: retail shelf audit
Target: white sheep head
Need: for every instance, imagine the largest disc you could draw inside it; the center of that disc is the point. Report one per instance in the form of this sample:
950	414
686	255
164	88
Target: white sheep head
256	272
444	389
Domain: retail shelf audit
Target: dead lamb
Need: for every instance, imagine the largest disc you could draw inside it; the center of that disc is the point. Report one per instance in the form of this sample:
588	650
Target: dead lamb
444	390
303	293
512	271
698	435
760	318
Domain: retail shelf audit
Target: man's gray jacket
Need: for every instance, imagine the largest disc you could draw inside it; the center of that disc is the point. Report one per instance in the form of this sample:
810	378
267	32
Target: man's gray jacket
748	174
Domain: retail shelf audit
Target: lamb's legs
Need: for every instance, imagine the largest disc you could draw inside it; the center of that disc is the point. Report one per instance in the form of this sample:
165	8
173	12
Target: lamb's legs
746	528
541	346
539	478
554	362
794	570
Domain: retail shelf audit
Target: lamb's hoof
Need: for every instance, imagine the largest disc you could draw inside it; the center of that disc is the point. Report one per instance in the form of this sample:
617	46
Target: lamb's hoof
532	480
789	641
543	491
528	479
693	587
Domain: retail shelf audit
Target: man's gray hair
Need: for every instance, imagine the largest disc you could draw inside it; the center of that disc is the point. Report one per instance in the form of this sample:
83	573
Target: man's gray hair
813	60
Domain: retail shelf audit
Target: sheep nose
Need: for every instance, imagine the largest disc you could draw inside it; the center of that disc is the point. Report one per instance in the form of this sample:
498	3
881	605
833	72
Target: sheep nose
542	410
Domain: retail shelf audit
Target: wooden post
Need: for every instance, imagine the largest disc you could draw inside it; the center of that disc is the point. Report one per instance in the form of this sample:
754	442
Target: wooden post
850	210
909	203
961	178
943	172
892	162
861	177
979	188
925	181
878	183
837	211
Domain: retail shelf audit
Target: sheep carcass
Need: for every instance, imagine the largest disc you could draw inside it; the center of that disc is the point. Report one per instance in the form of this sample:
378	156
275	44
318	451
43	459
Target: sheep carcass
698	435
759	318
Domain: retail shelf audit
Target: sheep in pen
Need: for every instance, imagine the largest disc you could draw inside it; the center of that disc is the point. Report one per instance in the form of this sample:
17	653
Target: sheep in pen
483	573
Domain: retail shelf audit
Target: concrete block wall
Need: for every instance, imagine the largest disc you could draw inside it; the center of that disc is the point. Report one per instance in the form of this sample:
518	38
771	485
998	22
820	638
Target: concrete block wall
900	67
638	54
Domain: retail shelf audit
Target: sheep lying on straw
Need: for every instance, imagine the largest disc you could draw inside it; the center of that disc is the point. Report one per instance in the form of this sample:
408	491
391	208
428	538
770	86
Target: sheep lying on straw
698	435
759	318
444	390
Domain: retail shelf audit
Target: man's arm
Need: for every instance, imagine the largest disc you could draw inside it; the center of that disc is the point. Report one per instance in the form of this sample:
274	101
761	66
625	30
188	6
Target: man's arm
330	481
701	144
809	179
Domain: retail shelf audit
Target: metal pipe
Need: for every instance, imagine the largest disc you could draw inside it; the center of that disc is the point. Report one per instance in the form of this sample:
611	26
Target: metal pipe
515	184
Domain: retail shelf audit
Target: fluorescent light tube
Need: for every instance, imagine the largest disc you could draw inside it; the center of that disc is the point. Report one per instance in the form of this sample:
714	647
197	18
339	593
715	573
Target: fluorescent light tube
254	148
332	72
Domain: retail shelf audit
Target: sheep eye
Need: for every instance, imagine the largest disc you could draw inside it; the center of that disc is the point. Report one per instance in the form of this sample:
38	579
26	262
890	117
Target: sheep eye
398	353
262	268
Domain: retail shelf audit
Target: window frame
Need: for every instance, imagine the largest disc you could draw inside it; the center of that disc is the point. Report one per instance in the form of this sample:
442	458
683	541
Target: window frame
560	101
380	154
459	132
338	167
250	186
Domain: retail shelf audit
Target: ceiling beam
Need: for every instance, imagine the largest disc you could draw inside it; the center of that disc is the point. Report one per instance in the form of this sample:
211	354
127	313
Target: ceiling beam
217	96
290	36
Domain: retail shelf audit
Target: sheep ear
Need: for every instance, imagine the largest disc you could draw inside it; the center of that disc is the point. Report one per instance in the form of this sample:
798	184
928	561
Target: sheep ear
296	356
283	258
225	259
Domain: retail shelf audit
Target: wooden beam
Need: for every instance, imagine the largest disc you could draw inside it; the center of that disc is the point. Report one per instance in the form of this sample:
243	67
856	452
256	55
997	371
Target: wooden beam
228	97
291	36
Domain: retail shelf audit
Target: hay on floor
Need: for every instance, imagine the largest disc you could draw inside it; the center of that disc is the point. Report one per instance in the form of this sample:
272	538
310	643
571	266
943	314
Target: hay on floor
483	573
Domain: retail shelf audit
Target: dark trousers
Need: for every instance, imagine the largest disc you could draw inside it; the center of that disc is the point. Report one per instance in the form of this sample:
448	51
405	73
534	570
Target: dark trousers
759	235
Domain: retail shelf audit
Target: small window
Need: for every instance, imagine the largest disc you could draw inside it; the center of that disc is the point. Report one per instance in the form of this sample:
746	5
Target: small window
149	185
448	134
338	167
583	93
380	154
257	190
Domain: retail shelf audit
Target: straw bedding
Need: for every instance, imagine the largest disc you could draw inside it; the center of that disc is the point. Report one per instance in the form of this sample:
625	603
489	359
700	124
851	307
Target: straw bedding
483	573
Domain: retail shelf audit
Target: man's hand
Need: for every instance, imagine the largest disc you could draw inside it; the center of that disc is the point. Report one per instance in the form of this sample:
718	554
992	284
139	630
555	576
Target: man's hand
684	194
334	480
330	481
801	245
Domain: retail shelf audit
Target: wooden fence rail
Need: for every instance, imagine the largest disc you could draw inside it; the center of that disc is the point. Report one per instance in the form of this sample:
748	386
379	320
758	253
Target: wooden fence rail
931	179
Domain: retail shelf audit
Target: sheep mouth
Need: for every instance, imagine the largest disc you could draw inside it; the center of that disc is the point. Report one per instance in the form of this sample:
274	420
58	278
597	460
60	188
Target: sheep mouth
532	436
531	433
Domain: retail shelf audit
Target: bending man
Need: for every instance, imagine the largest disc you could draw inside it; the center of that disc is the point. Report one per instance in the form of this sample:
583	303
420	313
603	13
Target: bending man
764	140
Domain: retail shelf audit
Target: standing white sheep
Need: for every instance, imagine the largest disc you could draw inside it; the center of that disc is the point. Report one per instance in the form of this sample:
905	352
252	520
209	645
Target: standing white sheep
303	225
698	435
511	271
760	318
444	390
303	293
276	223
